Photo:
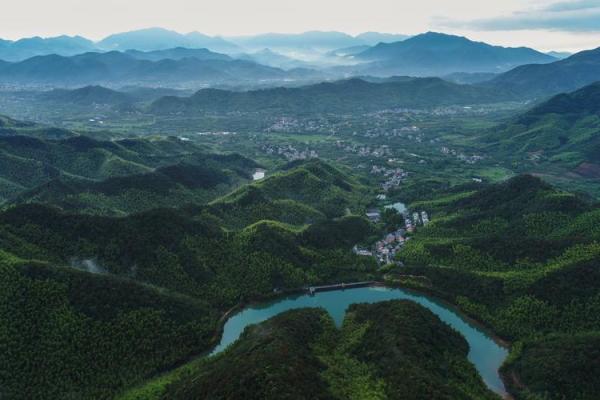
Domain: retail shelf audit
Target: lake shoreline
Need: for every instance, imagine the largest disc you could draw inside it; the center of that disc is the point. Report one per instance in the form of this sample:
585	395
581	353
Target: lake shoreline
281	295
257	304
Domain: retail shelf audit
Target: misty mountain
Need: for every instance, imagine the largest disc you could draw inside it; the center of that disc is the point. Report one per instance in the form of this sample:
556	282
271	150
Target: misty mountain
117	69
559	55
36	46
160	39
349	51
373	38
561	76
177	53
274	59
354	95
436	54
314	40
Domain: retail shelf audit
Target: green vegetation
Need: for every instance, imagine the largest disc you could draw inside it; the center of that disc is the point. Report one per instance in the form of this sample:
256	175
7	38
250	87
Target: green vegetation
347	96
303	193
69	334
115	177
388	350
570	367
558	139
522	257
120	254
118	300
563	129
171	186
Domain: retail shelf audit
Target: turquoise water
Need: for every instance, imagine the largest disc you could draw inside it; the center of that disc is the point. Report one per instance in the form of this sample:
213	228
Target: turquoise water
484	352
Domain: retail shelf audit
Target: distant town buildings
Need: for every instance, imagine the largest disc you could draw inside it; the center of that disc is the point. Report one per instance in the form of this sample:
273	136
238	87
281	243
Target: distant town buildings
289	152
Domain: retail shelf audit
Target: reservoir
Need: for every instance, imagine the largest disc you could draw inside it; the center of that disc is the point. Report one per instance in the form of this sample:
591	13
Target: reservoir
484	352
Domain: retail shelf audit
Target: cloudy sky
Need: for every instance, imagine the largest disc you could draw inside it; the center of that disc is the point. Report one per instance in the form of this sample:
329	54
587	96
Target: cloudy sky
543	24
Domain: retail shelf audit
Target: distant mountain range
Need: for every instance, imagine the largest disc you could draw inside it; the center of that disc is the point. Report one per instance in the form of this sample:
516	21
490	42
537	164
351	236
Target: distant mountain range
354	95
36	46
160	39
159	57
314	40
565	75
273	59
154	39
116	68
437	54
177	53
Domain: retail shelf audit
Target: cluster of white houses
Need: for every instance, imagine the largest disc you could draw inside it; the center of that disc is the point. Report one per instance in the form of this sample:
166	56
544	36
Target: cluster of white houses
386	249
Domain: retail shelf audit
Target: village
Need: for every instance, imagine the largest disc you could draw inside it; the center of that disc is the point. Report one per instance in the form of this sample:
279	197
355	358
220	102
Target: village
289	152
385	249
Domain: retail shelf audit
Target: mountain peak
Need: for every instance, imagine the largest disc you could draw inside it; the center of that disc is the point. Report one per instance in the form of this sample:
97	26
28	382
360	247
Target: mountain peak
438	54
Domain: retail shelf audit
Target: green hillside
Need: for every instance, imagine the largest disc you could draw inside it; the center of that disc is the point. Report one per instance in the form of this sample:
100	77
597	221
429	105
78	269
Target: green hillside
354	95
392	350
75	335
170	186
558	139
564	129
522	257
11	127
158	252
85	173
137	284
302	193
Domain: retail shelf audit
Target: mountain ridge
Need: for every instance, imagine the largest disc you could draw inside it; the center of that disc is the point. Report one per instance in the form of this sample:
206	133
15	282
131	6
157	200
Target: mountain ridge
442	54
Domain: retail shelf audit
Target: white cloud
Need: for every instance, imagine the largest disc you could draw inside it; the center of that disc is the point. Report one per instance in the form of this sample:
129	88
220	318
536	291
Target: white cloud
565	16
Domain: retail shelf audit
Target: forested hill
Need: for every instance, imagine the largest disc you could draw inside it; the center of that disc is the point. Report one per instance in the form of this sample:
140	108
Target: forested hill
302	193
170	186
354	95
522	257
564	131
100	287
393	350
11	127
152	289
63	171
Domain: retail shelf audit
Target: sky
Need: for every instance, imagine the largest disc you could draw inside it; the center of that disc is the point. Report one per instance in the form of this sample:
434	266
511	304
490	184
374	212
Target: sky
564	25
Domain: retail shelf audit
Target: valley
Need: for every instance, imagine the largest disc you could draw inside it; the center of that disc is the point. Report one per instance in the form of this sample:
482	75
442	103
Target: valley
175	208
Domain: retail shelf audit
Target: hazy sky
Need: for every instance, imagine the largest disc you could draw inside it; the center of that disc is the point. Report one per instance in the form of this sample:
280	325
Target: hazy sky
544	24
